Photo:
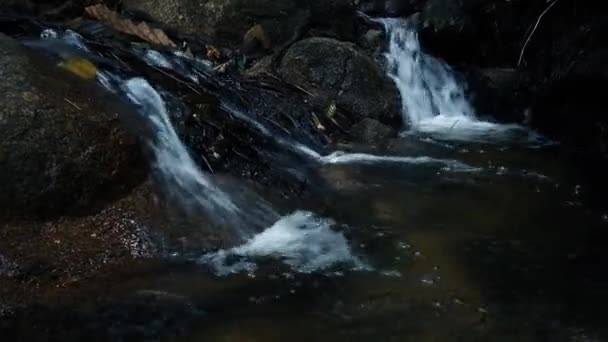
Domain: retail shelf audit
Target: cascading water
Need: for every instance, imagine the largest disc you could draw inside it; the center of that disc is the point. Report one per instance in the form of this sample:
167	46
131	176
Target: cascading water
178	169
305	242
433	99
428	87
341	157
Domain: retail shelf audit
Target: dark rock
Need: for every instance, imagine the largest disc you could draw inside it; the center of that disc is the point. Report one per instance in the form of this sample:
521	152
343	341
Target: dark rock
62	150
372	39
337	71
572	110
52	9
571	73
227	21
485	33
388	8
503	93
372	131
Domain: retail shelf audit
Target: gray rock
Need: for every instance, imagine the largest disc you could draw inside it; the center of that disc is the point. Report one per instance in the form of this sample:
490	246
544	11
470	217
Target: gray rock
339	72
62	150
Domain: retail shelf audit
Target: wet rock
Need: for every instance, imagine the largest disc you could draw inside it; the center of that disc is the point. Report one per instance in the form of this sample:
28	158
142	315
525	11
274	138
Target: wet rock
57	254
572	110
503	93
62	150
571	72
338	72
228	21
372	131
43	260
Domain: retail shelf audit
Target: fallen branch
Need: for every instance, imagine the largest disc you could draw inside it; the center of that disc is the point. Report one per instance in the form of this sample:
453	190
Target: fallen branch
523	49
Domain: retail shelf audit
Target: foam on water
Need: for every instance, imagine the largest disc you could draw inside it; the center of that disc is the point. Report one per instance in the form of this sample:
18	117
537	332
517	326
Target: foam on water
341	157
70	37
433	99
177	61
155	58
301	240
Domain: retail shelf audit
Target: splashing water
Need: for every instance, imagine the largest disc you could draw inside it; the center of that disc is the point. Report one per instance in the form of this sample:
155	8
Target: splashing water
433	99
303	241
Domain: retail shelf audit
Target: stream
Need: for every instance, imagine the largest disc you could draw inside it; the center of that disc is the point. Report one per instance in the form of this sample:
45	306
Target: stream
459	230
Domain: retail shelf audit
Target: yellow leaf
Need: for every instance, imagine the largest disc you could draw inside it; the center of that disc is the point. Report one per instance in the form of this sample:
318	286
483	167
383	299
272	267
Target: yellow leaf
81	67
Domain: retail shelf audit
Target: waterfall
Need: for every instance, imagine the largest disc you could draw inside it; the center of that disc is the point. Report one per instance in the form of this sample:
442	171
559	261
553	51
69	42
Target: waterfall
427	85
181	175
433	99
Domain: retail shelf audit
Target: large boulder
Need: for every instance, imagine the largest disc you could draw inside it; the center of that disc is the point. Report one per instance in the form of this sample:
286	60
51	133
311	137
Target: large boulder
62	149
228	21
337	72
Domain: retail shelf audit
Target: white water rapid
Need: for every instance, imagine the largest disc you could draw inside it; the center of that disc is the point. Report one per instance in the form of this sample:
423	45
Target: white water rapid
433	99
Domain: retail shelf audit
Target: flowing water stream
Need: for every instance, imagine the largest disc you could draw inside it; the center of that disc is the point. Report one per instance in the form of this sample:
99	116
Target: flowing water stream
462	230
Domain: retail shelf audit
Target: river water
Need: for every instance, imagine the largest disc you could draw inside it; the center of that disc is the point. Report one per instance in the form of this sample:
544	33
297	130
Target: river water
460	230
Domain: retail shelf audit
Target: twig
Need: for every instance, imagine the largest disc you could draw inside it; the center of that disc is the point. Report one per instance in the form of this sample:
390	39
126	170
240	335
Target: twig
523	49
176	79
207	162
277	124
120	60
454	125
72	103
240	154
304	90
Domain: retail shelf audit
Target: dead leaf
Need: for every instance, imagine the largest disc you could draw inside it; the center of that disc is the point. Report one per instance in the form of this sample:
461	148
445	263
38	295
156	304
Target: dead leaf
142	30
213	52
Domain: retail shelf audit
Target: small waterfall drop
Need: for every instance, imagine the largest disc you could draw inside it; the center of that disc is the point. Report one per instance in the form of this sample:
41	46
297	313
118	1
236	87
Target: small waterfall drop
433	99
182	175
427	85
